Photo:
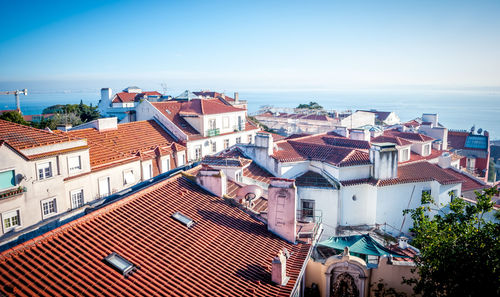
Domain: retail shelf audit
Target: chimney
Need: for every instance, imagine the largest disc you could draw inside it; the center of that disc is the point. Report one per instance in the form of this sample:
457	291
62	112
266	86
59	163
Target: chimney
106	124
444	160
264	140
64	127
342	131
278	270
403	242
359	134
105	94
384	159
236	96
213	180
431	118
282	209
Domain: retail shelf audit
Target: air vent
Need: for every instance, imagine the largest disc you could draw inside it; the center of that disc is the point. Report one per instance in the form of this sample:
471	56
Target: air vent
186	221
119	263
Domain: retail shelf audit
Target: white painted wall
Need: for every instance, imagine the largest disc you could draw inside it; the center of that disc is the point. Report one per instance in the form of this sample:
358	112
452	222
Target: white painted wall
327	201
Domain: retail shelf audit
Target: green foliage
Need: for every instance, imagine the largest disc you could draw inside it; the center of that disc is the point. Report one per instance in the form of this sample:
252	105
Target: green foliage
266	128
13	116
311	105
381	289
491	171
459	250
73	114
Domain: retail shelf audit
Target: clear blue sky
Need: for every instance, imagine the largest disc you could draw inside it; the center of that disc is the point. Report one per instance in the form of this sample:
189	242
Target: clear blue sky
252	44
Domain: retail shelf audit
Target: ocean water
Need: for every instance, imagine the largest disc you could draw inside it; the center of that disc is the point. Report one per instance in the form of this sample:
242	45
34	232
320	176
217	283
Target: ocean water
457	110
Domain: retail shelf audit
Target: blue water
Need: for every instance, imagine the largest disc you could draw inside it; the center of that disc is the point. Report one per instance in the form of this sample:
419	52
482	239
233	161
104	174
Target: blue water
457	110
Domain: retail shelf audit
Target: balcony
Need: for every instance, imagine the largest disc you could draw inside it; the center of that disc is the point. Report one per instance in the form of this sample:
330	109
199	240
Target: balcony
212	132
12	192
308	222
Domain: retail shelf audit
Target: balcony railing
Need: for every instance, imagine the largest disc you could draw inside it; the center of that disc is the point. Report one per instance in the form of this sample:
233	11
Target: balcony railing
213	132
12	192
309	216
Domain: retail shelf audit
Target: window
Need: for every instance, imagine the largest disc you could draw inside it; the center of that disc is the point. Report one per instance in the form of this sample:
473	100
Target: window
239	176
212	124
197	152
76	198
49	207
7	179
225	122
214	147
453	194
405	156
427	149
470	164
119	263
181	158
165	164
44	170
128	177
226	143
276	167
250	139
104	187
74	163
11	220
147	171
238	139
183	219
307	208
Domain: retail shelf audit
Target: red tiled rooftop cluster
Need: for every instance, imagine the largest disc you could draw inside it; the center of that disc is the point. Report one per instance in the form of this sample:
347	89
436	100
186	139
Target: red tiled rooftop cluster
391	139
408	135
421	172
226	252
126	141
23	137
123	97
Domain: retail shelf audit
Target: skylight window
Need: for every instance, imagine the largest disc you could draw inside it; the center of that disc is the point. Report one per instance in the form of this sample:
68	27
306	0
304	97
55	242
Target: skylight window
188	222
119	263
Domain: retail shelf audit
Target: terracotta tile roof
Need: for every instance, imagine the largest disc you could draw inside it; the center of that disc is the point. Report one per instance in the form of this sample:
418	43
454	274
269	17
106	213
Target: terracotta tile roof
409	251
23	137
133	97
412	124
391	139
277	137
354	182
252	171
419	137
312	179
468	183
226	253
204	107
292	151
457	140
215	95
259	204
421	172
126	141
330	139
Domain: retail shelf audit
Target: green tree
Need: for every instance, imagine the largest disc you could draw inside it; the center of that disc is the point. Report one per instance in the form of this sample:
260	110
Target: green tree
13	116
311	105
459	249
74	114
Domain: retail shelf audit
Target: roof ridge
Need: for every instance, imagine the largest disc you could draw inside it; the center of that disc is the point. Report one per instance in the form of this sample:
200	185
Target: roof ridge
34	129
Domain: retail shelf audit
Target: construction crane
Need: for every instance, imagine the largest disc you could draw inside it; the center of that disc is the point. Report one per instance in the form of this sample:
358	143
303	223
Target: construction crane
16	93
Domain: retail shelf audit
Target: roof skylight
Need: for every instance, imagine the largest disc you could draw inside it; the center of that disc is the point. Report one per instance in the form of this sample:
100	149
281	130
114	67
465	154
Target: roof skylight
188	222
119	263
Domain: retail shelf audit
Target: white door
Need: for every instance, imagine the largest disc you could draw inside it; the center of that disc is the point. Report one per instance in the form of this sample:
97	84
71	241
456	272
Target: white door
165	164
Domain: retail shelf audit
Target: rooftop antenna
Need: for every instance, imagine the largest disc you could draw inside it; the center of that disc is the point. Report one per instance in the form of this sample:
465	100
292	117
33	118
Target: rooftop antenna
164	87
16	93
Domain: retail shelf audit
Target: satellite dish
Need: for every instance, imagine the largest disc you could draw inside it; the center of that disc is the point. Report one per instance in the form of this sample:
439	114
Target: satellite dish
249	193
479	131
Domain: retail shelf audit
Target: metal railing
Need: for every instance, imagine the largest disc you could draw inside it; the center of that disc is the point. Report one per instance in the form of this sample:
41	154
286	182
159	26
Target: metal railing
309	216
213	132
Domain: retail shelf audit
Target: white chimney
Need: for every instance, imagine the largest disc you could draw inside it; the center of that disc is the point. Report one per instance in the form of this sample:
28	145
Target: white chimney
107	124
444	160
359	134
215	181
431	118
384	159
236	96
265	141
105	94
403	242
278	270
282	209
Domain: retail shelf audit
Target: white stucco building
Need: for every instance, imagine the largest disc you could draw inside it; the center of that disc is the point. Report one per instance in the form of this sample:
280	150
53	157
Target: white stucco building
45	174
206	126
354	183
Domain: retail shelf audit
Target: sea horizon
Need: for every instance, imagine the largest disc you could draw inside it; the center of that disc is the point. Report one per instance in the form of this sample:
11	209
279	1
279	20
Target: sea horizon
458	110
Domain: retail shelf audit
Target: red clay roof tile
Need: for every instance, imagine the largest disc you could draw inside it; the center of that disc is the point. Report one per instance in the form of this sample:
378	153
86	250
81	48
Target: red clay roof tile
226	253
